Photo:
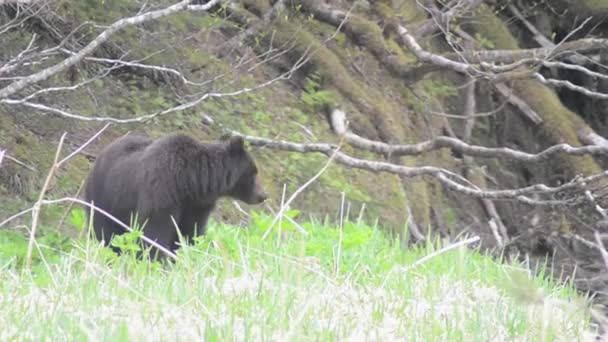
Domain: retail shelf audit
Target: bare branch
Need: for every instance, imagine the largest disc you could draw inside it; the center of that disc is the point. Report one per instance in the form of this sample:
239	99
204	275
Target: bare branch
469	110
95	43
142	118
585	45
137	64
552	64
16	2
571	86
337	123
83	146
444	176
424	56
58	89
3	154
589	137
36	208
19	59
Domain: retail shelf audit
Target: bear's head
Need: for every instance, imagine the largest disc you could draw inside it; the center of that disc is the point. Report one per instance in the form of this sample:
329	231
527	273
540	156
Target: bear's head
246	185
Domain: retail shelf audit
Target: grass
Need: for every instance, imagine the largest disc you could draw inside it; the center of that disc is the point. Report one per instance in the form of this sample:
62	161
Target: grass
333	282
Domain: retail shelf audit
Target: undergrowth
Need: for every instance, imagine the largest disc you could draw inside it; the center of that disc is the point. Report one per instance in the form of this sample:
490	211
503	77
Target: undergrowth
307	280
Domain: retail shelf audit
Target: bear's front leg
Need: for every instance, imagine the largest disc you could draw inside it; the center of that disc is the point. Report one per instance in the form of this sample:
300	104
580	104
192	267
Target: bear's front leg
194	222
160	228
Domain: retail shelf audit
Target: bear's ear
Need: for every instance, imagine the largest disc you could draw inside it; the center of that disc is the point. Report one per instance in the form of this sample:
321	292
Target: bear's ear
236	144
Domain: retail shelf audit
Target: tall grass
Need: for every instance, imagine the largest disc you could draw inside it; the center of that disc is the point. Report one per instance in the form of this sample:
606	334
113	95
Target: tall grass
335	282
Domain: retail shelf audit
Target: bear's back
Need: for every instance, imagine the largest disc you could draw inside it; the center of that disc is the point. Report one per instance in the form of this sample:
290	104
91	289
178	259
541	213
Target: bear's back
115	155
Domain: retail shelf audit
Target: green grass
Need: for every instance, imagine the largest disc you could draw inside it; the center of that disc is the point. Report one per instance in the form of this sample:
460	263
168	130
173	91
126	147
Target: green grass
332	283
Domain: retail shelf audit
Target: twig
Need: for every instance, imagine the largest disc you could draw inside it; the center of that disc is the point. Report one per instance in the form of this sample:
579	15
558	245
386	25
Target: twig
3	154
301	188
36	208
83	146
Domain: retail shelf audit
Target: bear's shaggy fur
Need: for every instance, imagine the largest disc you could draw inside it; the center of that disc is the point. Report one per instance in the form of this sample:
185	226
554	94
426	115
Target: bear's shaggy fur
173	176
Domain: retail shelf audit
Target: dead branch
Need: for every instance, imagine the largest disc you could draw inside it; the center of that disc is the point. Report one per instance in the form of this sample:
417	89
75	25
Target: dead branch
502	88
550	64
95	43
444	176
3	155
36	208
146	117
198	98
21	57
589	137
581	46
114	63
338	119
469	110
15	2
571	86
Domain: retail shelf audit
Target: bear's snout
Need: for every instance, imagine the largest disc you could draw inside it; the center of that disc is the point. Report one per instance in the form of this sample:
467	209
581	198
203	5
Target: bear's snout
262	197
259	194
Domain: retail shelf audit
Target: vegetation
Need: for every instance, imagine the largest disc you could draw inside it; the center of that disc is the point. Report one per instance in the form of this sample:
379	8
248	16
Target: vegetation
310	280
338	280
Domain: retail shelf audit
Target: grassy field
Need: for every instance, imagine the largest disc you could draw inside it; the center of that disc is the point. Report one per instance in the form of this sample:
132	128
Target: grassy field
307	281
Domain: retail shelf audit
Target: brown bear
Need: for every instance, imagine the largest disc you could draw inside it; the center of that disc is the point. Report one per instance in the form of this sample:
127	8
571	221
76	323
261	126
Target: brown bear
172	176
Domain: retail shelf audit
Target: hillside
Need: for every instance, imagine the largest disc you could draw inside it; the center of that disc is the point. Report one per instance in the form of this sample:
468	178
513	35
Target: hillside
498	81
